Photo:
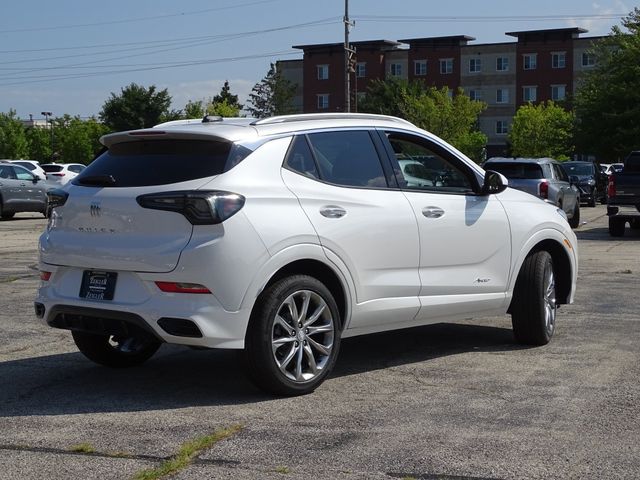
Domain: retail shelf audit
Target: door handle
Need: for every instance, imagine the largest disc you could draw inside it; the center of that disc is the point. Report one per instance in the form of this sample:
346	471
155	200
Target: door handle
333	211
432	212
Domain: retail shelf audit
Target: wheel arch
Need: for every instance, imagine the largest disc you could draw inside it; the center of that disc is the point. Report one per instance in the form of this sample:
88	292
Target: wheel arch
320	271
563	268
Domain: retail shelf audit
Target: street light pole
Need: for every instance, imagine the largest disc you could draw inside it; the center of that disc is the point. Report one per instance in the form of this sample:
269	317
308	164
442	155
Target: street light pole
46	120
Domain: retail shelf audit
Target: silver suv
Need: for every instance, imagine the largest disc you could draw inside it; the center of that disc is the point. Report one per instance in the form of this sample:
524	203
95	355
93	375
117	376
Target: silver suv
542	177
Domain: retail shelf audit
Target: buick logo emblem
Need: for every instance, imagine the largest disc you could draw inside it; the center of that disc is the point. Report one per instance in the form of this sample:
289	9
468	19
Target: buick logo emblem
95	209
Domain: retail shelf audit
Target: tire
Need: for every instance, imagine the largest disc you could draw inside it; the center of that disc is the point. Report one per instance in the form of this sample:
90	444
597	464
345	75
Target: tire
616	227
574	221
534	307
594	196
114	352
287	357
3	214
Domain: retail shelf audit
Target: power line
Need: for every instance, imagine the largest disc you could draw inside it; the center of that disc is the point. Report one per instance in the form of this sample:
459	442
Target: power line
487	18
136	19
50	78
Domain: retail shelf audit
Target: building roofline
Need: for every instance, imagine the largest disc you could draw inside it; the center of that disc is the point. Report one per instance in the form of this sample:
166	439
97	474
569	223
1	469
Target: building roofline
438	40
573	30
362	44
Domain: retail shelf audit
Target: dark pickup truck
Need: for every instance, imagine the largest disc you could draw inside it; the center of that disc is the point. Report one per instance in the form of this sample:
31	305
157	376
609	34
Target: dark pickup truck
623	205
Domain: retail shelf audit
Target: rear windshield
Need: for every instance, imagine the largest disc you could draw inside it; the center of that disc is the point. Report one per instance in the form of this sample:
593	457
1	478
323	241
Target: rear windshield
161	162
578	168
516	170
52	168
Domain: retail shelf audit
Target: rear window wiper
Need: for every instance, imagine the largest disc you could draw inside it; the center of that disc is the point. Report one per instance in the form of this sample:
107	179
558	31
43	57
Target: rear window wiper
97	180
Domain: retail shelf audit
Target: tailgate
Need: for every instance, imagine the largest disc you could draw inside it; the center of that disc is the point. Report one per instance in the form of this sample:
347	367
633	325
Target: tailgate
106	229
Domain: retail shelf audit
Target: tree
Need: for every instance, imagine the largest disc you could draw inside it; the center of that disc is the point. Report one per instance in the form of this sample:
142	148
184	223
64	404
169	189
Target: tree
607	101
225	96
272	95
13	141
77	141
543	130
193	109
136	107
223	109
454	118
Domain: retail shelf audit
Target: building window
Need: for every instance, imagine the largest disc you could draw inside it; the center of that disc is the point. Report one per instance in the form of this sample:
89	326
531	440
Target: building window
501	127
502	95
588	59
420	67
558	92
529	94
361	69
530	61
502	64
558	60
323	72
475	94
396	69
446	65
475	65
323	101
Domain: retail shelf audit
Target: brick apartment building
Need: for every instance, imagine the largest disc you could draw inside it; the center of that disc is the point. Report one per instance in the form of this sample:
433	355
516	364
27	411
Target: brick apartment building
539	65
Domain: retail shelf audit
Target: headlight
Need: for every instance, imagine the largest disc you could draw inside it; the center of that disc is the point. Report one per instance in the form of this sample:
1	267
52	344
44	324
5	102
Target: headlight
591	182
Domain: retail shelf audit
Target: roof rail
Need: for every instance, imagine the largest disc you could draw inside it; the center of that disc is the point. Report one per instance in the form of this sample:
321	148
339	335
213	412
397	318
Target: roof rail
328	116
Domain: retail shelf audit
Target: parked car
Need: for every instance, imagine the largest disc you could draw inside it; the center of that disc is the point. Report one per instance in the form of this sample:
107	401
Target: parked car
591	182
62	173
542	177
20	191
33	166
624	196
614	167
283	235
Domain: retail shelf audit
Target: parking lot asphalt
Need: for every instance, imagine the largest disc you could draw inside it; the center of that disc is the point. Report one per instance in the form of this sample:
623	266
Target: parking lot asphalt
446	401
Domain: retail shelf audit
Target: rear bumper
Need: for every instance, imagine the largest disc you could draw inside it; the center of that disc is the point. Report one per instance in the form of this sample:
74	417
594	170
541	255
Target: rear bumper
628	211
178	318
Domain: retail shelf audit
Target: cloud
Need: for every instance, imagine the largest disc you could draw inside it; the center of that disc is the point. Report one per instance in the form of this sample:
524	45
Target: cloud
602	26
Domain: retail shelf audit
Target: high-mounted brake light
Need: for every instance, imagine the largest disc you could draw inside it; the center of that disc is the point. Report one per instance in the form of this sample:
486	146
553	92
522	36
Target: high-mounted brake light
200	207
145	133
544	189
179	287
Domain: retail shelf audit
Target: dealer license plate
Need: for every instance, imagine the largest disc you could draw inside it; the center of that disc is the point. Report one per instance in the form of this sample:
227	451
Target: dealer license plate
98	285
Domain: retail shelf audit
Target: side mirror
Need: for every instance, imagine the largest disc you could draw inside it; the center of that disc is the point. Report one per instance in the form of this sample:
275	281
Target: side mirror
494	182
35	179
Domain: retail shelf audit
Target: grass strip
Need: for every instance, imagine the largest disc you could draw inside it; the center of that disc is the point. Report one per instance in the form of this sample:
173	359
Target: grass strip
186	454
83	448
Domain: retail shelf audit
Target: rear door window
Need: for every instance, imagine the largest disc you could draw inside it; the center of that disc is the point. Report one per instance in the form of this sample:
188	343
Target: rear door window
162	162
348	158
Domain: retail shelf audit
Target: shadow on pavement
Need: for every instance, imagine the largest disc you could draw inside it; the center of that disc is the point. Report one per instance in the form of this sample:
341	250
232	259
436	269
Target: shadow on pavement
602	233
178	377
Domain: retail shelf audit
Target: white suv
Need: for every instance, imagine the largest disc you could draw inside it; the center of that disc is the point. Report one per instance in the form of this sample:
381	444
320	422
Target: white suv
281	236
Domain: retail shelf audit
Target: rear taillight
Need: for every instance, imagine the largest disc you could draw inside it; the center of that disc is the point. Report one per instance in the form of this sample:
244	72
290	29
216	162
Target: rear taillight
57	174
57	197
611	191
45	276
544	189
180	287
199	207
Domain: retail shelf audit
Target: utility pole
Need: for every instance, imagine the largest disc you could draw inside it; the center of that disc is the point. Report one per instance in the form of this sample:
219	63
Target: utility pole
349	58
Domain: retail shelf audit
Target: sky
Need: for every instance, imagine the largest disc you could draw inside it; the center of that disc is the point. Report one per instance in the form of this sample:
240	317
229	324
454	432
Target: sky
69	56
